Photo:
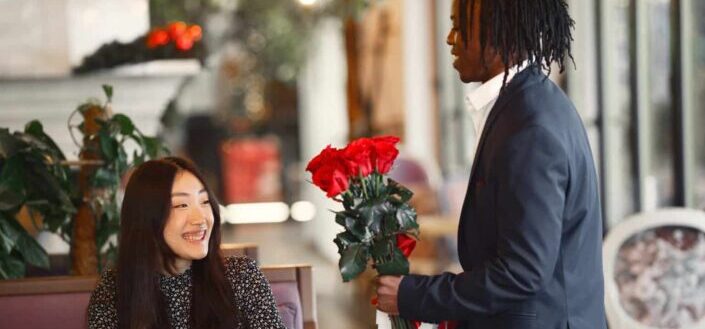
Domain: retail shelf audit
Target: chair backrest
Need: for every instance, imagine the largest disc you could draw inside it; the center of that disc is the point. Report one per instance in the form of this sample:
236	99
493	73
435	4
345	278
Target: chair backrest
654	270
293	289
46	302
240	249
61	301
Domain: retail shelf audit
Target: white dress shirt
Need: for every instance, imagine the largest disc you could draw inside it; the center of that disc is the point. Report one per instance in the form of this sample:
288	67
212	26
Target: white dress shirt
480	99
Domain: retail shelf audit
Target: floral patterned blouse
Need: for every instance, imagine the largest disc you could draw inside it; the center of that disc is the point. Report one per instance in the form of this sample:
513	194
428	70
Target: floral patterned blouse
253	297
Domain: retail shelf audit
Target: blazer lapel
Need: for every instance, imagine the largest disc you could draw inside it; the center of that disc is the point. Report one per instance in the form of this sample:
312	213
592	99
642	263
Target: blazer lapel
516	84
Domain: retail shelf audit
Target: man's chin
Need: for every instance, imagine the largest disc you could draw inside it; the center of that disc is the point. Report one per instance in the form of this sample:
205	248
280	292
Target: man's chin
466	79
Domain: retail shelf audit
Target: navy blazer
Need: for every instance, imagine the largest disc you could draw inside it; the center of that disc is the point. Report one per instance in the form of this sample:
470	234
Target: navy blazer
530	234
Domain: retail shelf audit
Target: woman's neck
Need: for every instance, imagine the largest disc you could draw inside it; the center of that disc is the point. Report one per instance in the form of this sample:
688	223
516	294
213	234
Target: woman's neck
181	265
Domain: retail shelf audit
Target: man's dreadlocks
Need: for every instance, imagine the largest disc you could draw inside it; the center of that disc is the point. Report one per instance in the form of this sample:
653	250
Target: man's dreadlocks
538	31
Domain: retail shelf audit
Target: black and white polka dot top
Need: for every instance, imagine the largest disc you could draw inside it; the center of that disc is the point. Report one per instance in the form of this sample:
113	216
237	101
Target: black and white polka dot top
253	298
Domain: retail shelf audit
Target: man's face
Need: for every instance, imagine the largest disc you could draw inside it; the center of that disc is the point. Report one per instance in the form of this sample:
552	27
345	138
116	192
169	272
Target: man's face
467	59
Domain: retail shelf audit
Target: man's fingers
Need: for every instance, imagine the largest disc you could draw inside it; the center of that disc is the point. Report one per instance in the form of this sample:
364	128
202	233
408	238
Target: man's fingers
386	279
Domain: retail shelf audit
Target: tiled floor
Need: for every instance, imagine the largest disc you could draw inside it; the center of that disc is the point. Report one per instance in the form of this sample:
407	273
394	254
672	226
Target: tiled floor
340	306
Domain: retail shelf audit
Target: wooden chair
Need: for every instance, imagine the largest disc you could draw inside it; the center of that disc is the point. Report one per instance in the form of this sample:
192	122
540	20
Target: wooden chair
240	249
289	282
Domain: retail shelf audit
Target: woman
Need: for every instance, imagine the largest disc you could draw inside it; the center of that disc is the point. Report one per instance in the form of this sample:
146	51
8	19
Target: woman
170	272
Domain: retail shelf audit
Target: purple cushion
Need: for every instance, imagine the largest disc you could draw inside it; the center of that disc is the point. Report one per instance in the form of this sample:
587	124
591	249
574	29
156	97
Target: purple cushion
288	301
54	311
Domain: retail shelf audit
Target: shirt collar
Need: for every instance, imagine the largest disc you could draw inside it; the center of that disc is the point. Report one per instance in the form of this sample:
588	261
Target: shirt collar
482	94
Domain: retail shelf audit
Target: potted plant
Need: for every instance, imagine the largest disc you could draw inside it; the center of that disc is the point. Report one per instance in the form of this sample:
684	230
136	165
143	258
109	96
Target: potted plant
37	183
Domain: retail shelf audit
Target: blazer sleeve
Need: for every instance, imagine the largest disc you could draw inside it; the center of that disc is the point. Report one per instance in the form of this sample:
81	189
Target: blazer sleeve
531	185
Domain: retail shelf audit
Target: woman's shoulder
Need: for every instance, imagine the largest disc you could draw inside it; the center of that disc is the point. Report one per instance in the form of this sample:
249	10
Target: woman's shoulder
107	279
239	268
239	264
101	308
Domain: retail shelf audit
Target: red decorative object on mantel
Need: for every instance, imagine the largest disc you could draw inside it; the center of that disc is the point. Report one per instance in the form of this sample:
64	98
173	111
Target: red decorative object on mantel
182	35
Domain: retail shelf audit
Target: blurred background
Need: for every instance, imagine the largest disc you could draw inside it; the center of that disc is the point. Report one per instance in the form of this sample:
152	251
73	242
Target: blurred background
259	87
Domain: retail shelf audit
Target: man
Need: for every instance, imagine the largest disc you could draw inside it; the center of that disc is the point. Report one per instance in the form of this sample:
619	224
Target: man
530	232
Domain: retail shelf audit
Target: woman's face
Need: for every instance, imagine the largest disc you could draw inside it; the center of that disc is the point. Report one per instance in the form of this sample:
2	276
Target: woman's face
188	228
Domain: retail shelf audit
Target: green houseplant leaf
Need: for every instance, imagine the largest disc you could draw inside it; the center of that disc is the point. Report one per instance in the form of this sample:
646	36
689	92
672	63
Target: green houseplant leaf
127	128
34	174
11	268
9	199
32	252
8	235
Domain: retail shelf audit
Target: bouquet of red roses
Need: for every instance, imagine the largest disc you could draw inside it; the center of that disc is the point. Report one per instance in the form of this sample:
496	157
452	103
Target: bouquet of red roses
379	223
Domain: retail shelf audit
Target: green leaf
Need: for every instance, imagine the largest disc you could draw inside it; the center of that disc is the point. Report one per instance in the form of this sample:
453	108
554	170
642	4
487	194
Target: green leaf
137	158
43	184
396	265
125	124
108	145
8	235
53	217
121	164
345	239
108	90
152	146
353	261
353	224
406	218
12	172
105	178
31	251
348	202
9	199
12	188
11	267
340	217
403	193
372	215
381	248
389	224
34	128
8	144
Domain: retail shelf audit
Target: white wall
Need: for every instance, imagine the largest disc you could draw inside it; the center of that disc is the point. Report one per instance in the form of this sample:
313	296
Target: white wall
323	120
48	37
419	120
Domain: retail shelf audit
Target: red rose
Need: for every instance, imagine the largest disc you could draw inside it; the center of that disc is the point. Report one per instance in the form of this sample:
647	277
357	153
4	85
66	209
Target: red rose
361	154
318	161
385	152
406	244
332	179
176	29
157	38
330	171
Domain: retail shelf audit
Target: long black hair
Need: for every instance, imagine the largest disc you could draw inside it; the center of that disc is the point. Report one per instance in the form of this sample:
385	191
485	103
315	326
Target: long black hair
143	254
538	31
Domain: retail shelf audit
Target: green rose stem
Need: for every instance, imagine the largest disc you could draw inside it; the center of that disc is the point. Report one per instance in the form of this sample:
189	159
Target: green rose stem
364	186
